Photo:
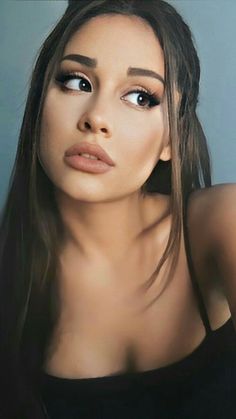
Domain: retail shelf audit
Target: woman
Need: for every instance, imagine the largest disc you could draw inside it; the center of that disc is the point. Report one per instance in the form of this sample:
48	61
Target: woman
118	269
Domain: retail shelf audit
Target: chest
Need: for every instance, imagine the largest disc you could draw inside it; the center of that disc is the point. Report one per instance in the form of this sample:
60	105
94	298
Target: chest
109	323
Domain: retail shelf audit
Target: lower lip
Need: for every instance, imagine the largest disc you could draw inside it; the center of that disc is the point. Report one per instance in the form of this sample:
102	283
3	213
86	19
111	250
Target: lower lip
87	165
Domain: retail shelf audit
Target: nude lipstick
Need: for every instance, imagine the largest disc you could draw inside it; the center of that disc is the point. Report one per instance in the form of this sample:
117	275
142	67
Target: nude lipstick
95	160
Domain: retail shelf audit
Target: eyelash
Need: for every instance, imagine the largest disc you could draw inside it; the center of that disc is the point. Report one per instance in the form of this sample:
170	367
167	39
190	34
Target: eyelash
62	78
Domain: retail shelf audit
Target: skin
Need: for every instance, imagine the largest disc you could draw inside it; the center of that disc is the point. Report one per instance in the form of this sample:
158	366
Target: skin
115	236
134	137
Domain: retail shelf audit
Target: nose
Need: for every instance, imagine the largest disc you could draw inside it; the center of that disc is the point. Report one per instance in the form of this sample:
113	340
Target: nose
96	122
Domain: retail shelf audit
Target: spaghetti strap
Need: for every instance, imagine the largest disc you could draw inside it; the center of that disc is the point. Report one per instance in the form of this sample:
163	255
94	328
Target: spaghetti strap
193	277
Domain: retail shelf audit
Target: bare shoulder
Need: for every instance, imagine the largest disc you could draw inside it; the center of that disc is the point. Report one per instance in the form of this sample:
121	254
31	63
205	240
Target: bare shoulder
212	231
211	210
214	194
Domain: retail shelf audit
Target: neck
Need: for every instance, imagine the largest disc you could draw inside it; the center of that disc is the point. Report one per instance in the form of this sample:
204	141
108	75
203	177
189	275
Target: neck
107	229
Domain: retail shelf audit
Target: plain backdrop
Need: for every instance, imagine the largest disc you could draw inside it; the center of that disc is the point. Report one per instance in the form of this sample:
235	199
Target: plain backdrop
25	24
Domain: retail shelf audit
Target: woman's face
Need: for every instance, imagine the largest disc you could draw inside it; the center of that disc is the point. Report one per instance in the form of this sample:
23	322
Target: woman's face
98	104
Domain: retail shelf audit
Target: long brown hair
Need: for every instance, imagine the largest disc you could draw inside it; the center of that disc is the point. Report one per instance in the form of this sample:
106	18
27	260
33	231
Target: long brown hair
31	228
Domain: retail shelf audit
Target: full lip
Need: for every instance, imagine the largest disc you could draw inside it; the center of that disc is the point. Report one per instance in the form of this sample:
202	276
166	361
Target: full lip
93	149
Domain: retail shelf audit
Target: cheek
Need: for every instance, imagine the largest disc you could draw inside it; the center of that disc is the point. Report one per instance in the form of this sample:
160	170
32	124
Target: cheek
138	149
58	116
143	140
51	118
50	138
55	124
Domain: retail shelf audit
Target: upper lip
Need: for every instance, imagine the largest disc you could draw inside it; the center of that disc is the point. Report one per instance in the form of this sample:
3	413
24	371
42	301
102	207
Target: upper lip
93	149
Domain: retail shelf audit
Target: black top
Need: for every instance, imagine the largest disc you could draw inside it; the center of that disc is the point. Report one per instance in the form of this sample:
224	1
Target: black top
200	386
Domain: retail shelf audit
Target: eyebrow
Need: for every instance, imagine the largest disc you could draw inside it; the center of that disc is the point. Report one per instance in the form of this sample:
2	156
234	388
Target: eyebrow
132	71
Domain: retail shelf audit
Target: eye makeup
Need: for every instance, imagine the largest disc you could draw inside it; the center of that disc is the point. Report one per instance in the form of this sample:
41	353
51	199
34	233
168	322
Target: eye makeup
63	79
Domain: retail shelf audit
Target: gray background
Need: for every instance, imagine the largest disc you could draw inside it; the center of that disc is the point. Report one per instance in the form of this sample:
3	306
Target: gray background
24	25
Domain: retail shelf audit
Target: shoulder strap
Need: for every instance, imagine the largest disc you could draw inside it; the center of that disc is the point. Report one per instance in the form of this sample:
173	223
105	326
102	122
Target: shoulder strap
193	277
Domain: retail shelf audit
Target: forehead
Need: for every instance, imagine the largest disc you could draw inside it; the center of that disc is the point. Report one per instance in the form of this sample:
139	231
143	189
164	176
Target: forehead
118	39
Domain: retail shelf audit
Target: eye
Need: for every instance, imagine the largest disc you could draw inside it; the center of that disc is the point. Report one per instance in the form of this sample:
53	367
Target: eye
144	98
73	82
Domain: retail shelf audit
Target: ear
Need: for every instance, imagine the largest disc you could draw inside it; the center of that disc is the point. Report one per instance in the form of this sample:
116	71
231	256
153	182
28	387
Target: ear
166	153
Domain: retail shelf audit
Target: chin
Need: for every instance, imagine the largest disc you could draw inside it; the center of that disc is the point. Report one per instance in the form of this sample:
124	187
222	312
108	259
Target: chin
81	194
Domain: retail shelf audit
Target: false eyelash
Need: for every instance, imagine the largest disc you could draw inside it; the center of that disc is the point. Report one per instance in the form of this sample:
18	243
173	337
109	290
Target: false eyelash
62	77
153	98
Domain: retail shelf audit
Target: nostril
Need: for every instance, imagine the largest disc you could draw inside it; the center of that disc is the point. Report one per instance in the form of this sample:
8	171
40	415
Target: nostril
87	125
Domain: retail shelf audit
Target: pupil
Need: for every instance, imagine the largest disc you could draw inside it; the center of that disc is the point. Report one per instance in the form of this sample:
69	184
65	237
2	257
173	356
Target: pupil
83	85
142	100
